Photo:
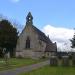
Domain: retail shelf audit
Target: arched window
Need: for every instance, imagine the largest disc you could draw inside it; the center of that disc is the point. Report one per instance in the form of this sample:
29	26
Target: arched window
28	42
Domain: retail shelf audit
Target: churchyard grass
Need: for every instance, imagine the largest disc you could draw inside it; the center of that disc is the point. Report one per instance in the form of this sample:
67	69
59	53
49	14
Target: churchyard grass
17	62
51	70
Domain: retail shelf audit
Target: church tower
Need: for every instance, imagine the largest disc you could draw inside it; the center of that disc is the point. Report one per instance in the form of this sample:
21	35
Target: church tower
29	19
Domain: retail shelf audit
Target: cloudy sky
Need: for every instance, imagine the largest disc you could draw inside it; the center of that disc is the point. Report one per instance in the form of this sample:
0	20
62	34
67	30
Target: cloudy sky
60	35
55	18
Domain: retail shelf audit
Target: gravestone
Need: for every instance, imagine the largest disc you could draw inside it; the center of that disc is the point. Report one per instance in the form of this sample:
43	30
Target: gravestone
53	61
65	61
6	56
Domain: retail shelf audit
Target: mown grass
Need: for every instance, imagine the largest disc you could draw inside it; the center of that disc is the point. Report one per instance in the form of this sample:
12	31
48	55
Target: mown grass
16	62
49	70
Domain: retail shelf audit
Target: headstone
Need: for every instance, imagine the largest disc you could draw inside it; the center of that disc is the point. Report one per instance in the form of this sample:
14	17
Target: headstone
65	60
53	61
8	55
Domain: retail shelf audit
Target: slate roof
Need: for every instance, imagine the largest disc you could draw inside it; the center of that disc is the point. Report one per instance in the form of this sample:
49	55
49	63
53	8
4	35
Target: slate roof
50	47
42	36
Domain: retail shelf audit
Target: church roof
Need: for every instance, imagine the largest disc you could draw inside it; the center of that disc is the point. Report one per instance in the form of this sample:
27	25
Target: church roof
49	45
42	36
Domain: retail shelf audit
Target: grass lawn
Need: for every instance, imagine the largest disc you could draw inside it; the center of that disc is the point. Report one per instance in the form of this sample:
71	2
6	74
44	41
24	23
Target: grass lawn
16	62
49	70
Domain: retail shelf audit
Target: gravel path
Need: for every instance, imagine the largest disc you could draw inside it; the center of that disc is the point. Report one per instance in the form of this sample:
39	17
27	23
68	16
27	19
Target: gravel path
24	69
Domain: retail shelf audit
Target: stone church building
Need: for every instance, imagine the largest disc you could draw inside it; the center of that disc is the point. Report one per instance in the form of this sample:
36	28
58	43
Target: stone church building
33	43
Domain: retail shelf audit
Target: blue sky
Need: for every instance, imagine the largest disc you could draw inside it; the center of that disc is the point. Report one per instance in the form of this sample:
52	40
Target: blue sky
59	13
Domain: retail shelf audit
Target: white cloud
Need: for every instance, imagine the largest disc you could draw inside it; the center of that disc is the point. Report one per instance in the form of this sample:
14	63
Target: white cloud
15	1
61	35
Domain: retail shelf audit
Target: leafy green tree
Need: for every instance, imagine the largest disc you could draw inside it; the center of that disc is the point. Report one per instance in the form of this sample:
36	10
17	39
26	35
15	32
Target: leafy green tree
8	36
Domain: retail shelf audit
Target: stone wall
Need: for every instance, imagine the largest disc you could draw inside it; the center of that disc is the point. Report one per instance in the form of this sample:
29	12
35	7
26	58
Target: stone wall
29	54
27	32
19	54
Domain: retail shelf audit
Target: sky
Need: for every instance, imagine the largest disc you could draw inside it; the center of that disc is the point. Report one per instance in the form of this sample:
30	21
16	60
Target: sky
55	18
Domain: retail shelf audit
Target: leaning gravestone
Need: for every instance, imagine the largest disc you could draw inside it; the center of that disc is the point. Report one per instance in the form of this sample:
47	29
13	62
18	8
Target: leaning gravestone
53	61
65	61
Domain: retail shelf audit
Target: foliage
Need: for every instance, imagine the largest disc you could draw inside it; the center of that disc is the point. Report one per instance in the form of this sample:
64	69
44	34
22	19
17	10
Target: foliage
8	35
73	41
1	54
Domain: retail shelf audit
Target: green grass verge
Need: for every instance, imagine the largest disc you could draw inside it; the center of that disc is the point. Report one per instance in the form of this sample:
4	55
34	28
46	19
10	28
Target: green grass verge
17	62
49	70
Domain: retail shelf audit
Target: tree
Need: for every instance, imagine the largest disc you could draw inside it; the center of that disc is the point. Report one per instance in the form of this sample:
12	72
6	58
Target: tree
8	36
73	41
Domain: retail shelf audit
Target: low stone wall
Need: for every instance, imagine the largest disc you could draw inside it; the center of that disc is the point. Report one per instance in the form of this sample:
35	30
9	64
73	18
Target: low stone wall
19	54
24	53
64	61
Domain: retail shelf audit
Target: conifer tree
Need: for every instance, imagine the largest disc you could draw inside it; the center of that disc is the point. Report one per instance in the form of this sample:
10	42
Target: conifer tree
8	35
